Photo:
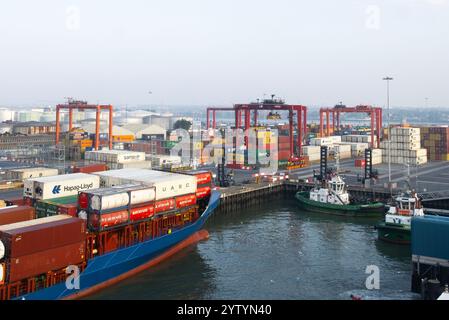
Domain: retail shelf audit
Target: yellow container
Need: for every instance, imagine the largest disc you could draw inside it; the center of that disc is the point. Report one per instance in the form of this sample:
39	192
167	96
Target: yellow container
86	143
123	138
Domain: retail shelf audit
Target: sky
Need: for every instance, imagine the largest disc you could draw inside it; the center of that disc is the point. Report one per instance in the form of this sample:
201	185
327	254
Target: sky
210	52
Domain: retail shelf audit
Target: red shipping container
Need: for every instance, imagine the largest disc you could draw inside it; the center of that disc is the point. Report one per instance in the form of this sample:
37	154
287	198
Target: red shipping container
16	214
283	155
49	260
283	139
164	205
283	146
112	242
25	240
83	200
108	220
203	178
68	209
17	202
203	192
185	201
360	163
141	213
90	168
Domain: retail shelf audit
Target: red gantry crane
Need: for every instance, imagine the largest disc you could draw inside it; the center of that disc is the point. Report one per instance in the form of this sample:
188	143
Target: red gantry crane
251	110
375	114
82	105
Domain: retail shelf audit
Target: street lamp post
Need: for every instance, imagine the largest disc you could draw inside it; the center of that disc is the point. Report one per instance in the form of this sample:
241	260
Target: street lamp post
388	79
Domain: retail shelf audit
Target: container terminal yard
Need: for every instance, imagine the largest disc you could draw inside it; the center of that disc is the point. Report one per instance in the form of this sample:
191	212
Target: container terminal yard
116	206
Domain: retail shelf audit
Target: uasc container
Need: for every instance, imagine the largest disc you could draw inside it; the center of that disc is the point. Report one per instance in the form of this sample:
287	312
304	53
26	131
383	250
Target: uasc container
166	184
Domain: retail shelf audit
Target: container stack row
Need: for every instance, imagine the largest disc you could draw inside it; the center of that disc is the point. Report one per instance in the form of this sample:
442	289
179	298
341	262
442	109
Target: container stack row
405	147
436	141
34	247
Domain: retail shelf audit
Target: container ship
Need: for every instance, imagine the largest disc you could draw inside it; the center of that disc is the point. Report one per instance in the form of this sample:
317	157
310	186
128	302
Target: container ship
98	229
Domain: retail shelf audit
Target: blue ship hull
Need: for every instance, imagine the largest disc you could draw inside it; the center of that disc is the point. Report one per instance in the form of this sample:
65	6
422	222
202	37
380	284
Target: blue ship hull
114	264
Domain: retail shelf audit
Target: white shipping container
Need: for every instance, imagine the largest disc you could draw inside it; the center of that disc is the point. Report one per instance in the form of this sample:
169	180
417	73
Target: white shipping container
114	156
311	150
138	165
377	153
326	141
59	186
314	157
142	195
159	160
28	173
167	184
335	139
109	201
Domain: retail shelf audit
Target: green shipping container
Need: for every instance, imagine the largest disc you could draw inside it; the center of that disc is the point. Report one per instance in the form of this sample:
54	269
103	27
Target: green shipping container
47	208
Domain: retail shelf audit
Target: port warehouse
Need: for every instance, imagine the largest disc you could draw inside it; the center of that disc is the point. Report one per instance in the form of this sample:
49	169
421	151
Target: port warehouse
151	204
154	146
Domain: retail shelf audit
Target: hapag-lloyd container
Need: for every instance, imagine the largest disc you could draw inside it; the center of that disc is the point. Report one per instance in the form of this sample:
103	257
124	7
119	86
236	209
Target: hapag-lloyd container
24	238
168	185
59	186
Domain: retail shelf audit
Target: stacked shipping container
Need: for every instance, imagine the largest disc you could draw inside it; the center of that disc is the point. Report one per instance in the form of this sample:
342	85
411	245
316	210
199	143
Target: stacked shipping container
405	147
436	141
38	246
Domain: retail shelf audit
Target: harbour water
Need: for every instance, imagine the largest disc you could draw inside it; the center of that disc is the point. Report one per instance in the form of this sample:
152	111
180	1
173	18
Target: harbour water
276	252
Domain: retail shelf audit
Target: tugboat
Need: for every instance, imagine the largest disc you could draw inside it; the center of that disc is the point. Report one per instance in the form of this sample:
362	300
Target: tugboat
332	196
397	225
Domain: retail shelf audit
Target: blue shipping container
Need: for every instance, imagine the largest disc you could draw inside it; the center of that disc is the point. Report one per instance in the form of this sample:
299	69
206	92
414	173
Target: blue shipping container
430	236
